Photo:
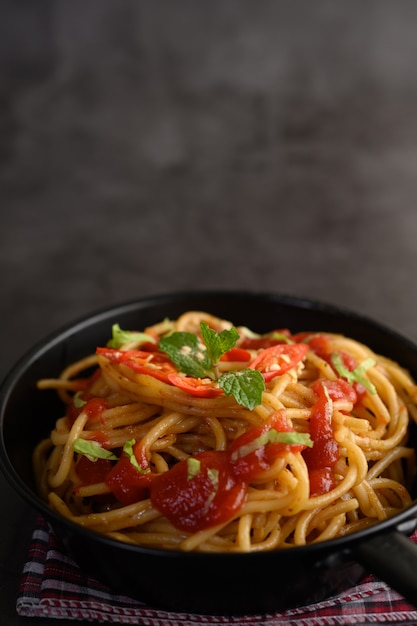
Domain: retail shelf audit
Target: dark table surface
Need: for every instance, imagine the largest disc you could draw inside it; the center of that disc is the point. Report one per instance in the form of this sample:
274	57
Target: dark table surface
153	147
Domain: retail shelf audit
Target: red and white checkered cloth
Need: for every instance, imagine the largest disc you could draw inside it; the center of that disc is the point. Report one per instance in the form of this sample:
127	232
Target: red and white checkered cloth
53	586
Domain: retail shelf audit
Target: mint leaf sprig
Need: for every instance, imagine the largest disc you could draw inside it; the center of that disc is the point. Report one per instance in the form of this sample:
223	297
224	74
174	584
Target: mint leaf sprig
199	358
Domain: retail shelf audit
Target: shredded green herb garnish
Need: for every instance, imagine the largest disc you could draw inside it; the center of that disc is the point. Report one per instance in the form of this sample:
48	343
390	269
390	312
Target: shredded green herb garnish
128	450
272	436
356	375
92	450
124	337
193	467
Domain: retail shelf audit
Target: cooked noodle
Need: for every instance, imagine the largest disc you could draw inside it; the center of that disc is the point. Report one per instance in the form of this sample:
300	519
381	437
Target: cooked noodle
372	477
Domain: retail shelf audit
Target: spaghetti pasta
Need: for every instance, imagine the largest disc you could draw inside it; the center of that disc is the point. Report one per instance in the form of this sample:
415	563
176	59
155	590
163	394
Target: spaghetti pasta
151	454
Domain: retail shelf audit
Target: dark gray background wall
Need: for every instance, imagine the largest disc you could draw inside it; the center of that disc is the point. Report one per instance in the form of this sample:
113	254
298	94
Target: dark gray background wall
164	145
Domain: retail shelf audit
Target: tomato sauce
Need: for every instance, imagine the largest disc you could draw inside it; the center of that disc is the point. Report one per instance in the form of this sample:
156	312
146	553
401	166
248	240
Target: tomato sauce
214	492
323	456
92	406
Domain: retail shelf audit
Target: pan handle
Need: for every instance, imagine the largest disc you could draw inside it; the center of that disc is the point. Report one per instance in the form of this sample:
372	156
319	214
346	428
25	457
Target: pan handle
393	558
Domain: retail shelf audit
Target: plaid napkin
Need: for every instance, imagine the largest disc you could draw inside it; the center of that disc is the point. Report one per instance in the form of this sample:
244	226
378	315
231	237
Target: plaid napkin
53	586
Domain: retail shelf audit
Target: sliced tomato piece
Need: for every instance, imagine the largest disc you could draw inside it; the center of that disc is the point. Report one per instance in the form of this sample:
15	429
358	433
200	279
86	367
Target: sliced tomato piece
200	387
279	359
337	389
152	363
275	337
236	354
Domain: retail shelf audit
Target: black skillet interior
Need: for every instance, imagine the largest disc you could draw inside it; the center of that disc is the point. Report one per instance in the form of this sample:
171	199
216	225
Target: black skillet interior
218	584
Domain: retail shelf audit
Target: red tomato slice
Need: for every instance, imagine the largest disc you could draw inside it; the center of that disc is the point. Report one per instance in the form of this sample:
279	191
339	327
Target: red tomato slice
337	389
151	363
279	359
236	354
200	387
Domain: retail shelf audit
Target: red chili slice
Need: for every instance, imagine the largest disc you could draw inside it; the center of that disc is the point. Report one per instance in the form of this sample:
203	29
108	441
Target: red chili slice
150	363
200	387
279	359
236	354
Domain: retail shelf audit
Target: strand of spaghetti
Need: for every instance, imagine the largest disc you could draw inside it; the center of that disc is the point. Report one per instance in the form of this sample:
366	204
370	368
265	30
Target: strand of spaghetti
96	489
176	453
144	388
117	437
219	433
369	502
389	442
357	349
280	384
64	383
300	488
165	424
323	368
200	537
355	456
58	384
265	525
124	517
332	529
277	473
78	366
159	462
272	402
124	415
149	538
399	490
68	451
271	542
190	321
60	433
243	539
389	396
396	453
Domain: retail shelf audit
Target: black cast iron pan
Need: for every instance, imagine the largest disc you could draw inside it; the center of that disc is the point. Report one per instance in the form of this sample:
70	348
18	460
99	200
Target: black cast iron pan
193	582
